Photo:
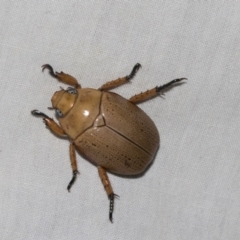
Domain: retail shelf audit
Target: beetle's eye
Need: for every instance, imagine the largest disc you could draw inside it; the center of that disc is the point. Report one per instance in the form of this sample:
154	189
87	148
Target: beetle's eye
59	113
71	90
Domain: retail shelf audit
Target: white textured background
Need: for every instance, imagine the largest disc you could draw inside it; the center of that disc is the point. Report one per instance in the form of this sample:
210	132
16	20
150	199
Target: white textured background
192	190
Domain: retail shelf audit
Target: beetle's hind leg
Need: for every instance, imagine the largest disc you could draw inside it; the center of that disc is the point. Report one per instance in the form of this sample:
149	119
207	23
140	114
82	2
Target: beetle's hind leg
143	96
120	81
108	188
62	77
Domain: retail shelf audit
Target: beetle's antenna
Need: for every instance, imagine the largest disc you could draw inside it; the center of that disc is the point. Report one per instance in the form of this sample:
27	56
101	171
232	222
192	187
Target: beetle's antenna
163	87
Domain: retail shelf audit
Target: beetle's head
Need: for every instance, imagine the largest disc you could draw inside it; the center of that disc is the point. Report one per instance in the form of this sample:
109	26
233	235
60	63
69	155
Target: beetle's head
63	100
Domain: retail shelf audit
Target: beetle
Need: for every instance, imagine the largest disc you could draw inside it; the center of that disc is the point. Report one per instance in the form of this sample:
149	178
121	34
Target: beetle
105	128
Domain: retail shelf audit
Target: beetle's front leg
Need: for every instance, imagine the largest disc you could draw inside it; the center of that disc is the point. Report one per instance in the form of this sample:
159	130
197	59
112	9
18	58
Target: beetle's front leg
62	77
143	96
50	123
73	164
120	81
108	188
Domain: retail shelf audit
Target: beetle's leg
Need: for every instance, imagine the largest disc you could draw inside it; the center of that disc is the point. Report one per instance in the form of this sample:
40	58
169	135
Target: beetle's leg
73	164
62	77
50	123
120	81
143	96
108	188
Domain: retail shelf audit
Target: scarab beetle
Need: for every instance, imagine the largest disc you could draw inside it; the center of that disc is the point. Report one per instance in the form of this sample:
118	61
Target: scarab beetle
105	128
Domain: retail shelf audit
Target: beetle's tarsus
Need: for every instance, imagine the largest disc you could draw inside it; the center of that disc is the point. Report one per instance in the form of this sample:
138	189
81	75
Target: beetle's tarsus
111	198
51	71
134	71
160	88
111	207
110	217
72	180
39	114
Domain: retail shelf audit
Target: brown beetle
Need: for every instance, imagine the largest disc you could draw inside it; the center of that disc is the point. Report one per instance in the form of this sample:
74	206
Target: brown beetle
105	128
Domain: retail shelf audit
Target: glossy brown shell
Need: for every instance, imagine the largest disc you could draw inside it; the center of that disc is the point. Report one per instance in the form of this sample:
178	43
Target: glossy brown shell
111	132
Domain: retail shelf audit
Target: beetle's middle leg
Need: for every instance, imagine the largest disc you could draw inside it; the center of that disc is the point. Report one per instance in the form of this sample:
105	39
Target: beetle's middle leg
143	96
50	123
108	188
73	164
115	83
62	77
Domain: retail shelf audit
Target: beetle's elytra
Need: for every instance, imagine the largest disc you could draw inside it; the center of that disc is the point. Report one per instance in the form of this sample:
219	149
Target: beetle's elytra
105	128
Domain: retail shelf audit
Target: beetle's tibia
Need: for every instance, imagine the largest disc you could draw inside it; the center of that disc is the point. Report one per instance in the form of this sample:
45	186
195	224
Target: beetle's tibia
134	71
54	127
160	88
75	172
